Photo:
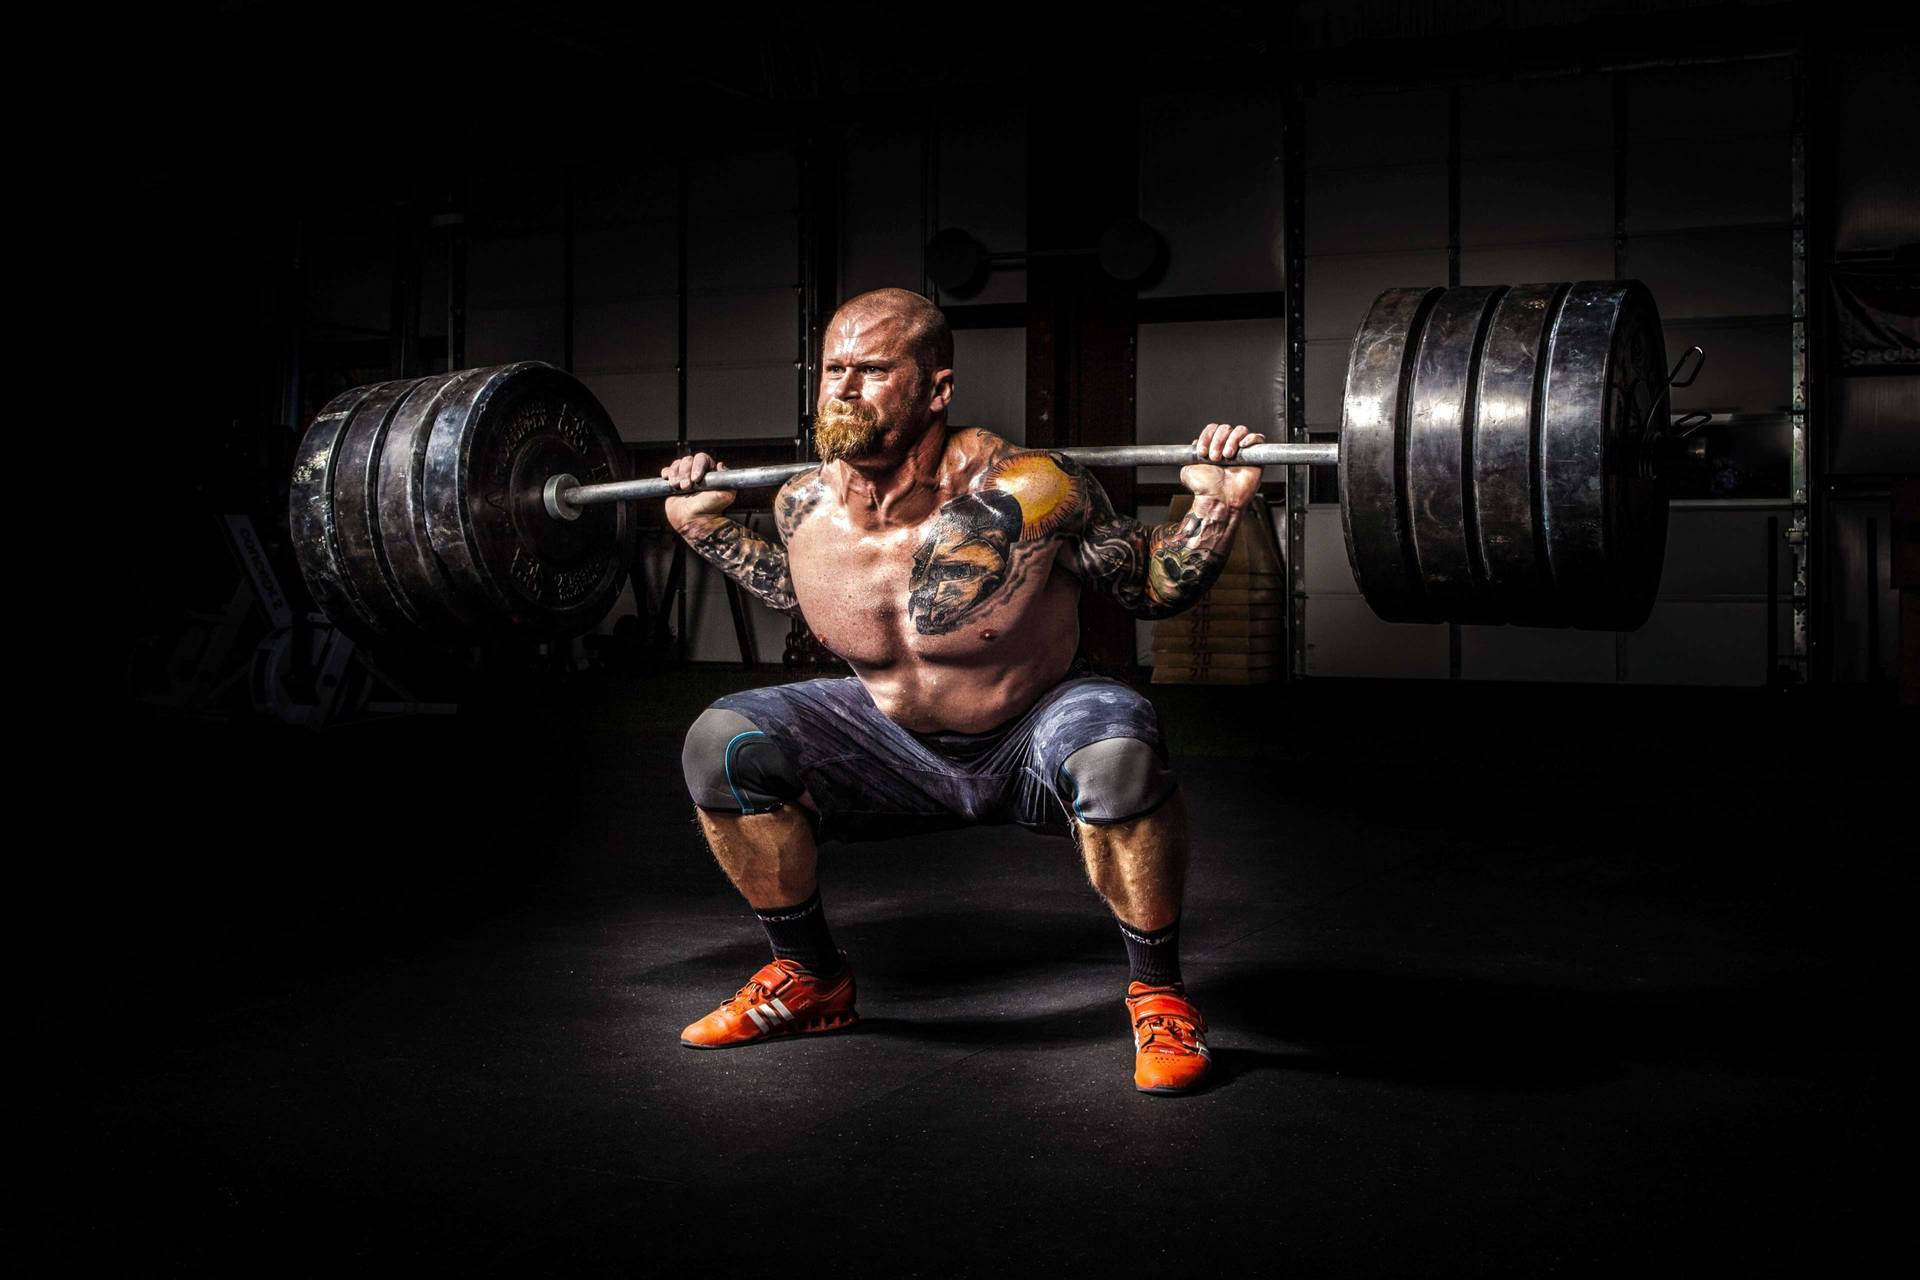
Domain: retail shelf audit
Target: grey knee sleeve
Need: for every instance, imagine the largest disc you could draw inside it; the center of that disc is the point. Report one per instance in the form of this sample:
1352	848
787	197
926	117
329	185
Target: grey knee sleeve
733	767
1116	780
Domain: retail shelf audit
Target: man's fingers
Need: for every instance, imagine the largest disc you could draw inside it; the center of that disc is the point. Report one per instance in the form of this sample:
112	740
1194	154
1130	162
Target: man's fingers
685	473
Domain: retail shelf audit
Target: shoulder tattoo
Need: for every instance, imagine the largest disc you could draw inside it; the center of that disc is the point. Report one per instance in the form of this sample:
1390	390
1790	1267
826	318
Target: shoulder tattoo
968	552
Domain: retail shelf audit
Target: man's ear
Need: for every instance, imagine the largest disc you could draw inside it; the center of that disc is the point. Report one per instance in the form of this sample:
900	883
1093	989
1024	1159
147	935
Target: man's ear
942	390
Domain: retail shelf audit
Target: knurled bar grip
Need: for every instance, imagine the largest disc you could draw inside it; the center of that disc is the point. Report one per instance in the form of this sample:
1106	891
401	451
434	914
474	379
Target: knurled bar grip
564	495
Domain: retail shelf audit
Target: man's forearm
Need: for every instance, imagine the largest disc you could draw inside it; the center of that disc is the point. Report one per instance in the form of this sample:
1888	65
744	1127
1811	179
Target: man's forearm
1160	571
750	560
1184	559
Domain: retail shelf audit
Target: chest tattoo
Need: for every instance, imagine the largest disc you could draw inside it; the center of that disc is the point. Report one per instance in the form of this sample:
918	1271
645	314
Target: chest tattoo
963	562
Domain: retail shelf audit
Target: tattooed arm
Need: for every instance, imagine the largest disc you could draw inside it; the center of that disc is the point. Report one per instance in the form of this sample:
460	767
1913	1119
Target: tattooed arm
750	560
1158	572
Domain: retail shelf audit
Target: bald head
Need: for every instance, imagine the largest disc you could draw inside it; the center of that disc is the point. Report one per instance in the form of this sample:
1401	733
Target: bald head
925	326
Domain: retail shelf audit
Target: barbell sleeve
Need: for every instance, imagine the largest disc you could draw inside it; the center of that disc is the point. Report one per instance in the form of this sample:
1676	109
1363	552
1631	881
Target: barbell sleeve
564	495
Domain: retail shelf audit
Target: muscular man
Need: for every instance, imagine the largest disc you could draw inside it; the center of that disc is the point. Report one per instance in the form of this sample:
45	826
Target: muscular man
946	567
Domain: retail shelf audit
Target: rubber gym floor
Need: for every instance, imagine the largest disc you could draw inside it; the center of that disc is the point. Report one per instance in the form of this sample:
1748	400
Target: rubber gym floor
1503	980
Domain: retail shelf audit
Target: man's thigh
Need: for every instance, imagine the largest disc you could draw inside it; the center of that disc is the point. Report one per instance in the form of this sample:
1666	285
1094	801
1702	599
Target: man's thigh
865	774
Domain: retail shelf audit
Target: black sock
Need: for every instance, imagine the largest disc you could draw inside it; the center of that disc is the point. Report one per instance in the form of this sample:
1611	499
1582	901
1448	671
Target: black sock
1153	955
799	933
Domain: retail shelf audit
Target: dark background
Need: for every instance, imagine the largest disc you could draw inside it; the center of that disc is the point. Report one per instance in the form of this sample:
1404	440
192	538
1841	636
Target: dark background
1579	963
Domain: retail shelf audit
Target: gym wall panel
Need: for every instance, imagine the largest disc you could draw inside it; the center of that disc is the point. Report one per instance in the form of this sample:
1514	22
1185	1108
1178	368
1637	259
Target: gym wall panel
1707	182
620	195
1565	114
759	402
1875	429
514	270
757	328
1726	272
1536	653
748	180
1344	128
1376	209
1748	368
1210	182
1345	638
1191	373
1701	644
625	261
743	251
626	336
881	213
981	174
1326	370
1326	570
349	280
642	404
498	335
1877	156
990	381
1341	287
1528	199
1538	263
1711	100
1718	555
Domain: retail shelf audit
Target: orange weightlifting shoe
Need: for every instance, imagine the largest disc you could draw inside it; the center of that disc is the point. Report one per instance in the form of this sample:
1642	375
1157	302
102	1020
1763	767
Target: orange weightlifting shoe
1169	1040
782	999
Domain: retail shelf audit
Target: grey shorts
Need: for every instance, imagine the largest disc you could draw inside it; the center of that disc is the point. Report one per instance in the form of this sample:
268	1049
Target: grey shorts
871	778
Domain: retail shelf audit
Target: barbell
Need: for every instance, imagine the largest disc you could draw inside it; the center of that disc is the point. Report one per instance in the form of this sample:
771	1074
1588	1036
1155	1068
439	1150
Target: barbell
1500	461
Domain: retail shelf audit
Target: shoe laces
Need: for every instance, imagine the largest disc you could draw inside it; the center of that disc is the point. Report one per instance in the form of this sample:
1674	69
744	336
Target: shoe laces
755	992
1170	1032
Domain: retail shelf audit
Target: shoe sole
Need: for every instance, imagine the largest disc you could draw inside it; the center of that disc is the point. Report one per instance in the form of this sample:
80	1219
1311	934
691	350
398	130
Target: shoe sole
821	1026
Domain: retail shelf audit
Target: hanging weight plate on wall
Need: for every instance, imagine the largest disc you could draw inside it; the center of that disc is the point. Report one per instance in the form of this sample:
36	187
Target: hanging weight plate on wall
496	438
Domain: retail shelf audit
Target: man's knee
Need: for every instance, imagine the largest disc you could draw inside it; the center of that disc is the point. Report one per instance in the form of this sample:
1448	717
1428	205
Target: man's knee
1116	780
733	767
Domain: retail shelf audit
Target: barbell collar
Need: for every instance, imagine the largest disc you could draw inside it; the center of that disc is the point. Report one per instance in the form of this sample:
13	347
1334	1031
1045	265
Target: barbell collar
564	497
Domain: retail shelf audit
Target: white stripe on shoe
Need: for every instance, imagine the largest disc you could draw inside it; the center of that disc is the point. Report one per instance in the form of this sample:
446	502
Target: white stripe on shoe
760	1020
782	1007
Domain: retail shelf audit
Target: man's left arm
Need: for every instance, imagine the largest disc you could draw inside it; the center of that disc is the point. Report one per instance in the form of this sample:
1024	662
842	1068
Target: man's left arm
1160	571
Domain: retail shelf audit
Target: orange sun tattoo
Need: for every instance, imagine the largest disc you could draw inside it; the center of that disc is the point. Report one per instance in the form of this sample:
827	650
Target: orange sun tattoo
1047	494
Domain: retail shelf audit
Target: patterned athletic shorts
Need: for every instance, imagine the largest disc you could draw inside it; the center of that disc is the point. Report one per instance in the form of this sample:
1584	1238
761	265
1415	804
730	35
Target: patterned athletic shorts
871	778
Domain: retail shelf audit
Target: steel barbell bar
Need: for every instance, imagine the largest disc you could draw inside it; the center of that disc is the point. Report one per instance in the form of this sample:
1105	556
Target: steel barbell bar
565	497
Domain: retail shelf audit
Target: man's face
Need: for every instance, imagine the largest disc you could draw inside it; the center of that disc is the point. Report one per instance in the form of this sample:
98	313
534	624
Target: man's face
874	397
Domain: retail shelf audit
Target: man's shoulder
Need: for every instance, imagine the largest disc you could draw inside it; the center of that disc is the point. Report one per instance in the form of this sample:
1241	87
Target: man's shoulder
797	499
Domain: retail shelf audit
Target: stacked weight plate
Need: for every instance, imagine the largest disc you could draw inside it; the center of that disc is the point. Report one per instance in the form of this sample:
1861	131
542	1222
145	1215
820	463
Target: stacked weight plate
417	507
1499	455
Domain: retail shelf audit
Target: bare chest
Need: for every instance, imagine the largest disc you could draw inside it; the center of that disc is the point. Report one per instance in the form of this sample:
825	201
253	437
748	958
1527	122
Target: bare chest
949	589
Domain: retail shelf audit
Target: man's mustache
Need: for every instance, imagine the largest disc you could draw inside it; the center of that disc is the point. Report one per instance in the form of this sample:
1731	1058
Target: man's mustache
848	411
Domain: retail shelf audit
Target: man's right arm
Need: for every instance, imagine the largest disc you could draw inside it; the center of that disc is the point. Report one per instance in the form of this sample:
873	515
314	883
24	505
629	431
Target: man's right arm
743	555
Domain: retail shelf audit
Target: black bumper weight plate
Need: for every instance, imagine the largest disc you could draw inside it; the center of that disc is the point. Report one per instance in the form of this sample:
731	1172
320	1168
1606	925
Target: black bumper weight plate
1604	521
496	439
1505	443
1438	476
431	598
312	514
357	509
1373	436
